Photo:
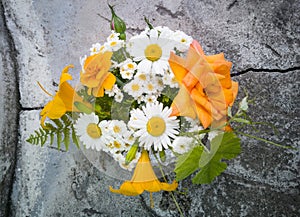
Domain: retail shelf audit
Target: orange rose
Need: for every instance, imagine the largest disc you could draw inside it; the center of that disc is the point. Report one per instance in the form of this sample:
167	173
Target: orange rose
206	88
96	75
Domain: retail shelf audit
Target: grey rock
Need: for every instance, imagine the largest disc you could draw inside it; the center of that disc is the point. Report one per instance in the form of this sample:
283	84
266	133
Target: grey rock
9	108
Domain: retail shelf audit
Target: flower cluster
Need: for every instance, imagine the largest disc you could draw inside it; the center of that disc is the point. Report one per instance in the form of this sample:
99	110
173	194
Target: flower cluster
156	94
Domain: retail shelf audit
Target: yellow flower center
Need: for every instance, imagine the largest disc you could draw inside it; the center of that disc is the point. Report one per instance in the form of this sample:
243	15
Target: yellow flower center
130	66
142	77
135	87
153	52
94	131
117	144
150	87
183	40
156	126
113	43
117	129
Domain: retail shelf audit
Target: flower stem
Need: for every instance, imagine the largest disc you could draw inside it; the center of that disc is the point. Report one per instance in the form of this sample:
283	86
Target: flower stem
265	140
173	196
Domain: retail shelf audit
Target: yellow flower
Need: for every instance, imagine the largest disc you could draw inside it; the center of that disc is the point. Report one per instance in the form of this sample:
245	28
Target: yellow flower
143	179
63	100
96	75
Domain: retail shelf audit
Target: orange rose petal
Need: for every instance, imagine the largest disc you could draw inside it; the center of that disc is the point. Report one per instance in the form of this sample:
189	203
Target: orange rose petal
177	67
182	104
197	47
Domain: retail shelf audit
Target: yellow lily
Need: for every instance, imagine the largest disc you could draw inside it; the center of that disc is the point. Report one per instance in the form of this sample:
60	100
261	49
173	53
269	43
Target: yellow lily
143	179
96	75
63	100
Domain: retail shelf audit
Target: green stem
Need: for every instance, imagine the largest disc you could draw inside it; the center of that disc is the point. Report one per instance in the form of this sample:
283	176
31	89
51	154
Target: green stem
164	177
265	140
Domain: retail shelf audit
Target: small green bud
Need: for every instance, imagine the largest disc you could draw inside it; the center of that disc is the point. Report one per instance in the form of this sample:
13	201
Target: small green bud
244	104
131	153
83	108
162	156
117	24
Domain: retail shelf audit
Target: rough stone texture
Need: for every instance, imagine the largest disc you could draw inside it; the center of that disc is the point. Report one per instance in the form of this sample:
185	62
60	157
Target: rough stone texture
9	109
261	38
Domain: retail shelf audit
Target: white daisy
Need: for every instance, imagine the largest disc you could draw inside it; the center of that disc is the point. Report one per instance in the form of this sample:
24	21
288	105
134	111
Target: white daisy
121	160
95	49
154	126
90	132
183	39
126	74
113	36
152	51
165	32
119	97
150	99
142	78
118	128
182	144
134	89
114	45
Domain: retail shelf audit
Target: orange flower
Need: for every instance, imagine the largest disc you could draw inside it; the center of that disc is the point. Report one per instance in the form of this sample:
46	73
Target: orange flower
96	75
143	179
63	99
206	89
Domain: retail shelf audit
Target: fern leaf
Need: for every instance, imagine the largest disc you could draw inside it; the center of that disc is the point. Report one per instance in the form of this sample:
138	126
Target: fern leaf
74	138
67	138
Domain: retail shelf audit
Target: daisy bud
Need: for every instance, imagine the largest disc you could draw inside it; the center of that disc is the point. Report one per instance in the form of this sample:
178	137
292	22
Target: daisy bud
162	156
83	108
131	153
117	24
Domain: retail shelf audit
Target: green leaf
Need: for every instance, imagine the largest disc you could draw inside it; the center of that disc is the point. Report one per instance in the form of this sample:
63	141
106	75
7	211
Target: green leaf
74	138
67	138
209	172
58	139
224	146
188	163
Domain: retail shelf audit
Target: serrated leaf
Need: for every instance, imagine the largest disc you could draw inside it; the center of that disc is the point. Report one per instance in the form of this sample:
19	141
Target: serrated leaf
224	146
74	138
58	123
67	138
51	138
188	163
207	174
58	139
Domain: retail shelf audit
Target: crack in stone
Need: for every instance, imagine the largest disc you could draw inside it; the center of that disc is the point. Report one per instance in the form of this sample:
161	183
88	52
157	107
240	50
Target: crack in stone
13	57
231	5
273	50
147	208
31	108
165	11
266	70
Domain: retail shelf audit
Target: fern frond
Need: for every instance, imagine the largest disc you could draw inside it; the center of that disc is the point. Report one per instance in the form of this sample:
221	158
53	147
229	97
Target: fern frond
60	130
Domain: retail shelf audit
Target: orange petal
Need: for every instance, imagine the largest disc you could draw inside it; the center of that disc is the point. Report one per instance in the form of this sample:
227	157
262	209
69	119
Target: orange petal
197	47
177	65
183	105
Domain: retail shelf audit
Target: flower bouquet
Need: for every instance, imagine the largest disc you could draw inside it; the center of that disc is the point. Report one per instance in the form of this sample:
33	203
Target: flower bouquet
155	99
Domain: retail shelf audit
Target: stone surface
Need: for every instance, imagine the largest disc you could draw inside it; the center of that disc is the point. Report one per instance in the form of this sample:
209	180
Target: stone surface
9	109
260	38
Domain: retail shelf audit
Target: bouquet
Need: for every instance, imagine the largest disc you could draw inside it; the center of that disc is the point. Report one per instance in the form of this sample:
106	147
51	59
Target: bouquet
154	99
